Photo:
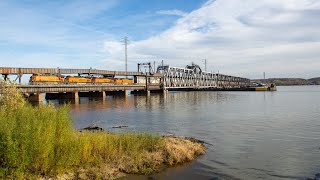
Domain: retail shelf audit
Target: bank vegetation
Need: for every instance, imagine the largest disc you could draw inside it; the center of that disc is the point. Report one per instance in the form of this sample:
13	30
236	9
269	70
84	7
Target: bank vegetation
39	142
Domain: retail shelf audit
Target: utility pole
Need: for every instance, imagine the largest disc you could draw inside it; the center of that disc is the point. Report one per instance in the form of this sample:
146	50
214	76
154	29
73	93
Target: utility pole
125	41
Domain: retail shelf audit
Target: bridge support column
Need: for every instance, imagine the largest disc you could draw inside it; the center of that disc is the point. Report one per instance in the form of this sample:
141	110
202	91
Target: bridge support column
165	91
142	92
52	95
103	94
72	95
5	77
95	94
67	95
125	93
121	93
36	97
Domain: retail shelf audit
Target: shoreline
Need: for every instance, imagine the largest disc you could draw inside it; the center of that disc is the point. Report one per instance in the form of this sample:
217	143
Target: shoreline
39	142
185	150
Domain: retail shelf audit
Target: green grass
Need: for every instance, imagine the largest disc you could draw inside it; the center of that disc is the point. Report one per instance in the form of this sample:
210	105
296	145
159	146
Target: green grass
39	141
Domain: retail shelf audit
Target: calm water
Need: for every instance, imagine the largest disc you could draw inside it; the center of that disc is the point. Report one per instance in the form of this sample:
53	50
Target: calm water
254	135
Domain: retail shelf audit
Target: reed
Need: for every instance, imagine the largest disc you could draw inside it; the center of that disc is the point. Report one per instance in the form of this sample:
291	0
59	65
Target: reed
39	141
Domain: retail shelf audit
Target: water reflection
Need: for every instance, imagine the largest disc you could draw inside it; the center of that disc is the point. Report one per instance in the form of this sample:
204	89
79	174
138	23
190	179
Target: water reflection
254	135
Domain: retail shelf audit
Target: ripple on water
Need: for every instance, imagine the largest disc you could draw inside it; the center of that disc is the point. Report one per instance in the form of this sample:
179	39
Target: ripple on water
255	135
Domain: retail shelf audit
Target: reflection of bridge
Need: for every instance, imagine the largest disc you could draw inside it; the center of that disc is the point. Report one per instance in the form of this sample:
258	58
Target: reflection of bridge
166	78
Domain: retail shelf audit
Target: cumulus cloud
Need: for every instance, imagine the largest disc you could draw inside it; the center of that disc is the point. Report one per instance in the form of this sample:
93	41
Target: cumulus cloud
241	38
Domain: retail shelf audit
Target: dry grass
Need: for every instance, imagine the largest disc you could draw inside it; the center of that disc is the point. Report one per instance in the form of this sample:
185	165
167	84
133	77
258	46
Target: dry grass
40	143
173	151
181	150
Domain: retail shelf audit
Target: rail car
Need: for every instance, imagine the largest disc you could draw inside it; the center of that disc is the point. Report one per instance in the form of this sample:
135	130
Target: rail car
98	80
46	79
77	79
123	81
52	79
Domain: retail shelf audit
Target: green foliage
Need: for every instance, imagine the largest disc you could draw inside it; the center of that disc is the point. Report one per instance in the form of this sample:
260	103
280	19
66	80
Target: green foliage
37	141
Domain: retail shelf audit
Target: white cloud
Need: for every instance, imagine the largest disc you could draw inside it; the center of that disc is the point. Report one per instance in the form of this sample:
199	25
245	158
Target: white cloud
241	38
49	34
174	12
236	37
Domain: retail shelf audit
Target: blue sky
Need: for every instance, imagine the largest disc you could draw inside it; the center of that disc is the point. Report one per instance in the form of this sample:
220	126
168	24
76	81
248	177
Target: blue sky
243	38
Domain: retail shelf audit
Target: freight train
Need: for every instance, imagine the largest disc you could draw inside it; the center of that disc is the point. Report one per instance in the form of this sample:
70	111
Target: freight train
38	79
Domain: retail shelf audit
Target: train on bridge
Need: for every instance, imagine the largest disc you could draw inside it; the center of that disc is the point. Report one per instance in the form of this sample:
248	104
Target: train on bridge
39	79
71	82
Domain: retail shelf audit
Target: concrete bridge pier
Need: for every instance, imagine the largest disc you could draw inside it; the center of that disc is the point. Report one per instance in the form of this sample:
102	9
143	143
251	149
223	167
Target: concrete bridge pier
148	92
141	92
165	91
38	97
67	95
124	93
101	94
72	95
94	94
120	93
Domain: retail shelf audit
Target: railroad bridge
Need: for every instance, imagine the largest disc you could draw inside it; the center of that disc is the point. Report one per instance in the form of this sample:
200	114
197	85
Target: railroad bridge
193	78
166	78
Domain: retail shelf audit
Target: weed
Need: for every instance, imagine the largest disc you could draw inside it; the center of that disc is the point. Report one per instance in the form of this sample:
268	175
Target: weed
39	141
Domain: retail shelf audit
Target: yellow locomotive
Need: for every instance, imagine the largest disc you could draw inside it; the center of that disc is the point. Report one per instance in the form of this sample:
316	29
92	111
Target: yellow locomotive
123	81
98	80
52	79
77	79
46	79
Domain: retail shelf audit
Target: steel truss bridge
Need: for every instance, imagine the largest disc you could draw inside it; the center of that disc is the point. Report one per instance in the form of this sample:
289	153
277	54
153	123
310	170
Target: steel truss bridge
192	77
166	78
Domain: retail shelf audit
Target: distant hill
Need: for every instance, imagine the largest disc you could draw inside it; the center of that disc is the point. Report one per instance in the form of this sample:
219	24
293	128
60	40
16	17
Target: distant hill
290	81
315	81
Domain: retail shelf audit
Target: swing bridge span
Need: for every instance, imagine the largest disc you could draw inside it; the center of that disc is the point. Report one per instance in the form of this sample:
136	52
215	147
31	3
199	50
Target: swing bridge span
166	78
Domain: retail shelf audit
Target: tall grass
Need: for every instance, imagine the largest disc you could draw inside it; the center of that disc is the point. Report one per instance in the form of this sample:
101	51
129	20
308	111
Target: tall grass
39	141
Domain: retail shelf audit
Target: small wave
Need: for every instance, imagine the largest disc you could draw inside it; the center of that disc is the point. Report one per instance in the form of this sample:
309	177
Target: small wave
220	163
284	176
261	170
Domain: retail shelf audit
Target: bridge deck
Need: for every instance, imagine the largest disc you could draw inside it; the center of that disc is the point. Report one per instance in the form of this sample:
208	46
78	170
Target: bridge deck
14	70
170	78
82	88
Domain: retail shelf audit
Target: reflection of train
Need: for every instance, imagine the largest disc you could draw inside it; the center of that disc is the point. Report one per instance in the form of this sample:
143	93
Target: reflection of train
52	79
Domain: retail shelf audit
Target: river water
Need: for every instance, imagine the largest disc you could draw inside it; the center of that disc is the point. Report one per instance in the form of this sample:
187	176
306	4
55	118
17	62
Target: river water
253	135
